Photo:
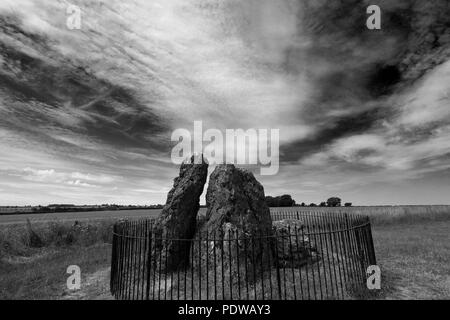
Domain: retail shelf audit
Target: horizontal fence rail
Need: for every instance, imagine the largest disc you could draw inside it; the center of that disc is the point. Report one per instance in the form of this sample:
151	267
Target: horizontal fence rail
305	256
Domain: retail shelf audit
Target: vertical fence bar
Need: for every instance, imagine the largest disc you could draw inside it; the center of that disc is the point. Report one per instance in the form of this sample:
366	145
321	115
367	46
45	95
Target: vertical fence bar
269	262
168	239
355	277
356	259
149	261
223	269
373	259
336	241
246	265
308	230
129	255
284	255
182	257
333	254
360	253
140	266
113	261
322	253
315	228
215	266
277	265
308	287
345	261
236	235
207	265
133	259
253	265
292	261
262	251
230	264
122	262
299	259
192	269
200	266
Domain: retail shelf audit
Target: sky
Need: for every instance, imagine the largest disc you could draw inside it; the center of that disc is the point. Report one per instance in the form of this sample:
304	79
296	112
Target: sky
86	116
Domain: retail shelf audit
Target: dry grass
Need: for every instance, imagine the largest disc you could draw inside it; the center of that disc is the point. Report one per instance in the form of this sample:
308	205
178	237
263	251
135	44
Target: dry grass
385	215
414	259
36	269
411	244
23	240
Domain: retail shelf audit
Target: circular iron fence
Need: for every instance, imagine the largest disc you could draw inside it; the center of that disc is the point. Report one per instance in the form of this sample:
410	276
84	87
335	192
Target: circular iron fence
305	256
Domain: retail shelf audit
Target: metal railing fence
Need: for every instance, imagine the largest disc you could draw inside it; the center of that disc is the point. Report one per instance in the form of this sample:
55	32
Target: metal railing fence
322	256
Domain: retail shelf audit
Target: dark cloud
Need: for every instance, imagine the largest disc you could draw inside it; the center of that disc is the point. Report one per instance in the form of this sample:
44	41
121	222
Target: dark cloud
332	130
111	113
356	71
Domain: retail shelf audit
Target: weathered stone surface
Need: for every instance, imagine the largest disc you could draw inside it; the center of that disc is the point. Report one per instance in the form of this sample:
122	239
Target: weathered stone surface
177	219
239	219
293	247
235	196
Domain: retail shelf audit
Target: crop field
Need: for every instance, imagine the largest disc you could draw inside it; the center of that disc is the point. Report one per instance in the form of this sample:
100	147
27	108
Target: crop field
78	216
411	244
377	214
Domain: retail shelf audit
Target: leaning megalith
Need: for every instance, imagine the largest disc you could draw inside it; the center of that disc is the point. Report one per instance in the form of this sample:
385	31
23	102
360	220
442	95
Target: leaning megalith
177	219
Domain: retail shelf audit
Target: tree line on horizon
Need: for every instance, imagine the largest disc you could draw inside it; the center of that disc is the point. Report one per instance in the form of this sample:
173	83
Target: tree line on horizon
286	200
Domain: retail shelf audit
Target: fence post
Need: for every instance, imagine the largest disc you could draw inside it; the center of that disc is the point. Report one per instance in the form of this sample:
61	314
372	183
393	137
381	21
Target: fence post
276	258
360	253
113	262
373	259
149	261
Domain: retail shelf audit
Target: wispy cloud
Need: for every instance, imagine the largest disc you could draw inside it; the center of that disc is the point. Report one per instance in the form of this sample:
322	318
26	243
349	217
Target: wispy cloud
94	108
70	178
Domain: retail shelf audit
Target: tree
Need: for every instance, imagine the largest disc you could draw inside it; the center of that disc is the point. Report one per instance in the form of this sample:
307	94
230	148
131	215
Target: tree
334	202
270	201
303	204
312	205
348	204
280	201
286	201
323	204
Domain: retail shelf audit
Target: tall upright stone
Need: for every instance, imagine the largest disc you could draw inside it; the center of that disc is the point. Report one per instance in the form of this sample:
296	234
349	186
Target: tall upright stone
177	219
234	196
238	218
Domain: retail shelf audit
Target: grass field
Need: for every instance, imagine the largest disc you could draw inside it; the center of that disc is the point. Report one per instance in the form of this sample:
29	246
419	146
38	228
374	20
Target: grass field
378	214
415	259
34	259
386	215
412	246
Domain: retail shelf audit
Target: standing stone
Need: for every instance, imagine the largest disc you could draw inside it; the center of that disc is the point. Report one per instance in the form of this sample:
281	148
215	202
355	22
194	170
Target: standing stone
177	219
234	196
293	246
239	219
